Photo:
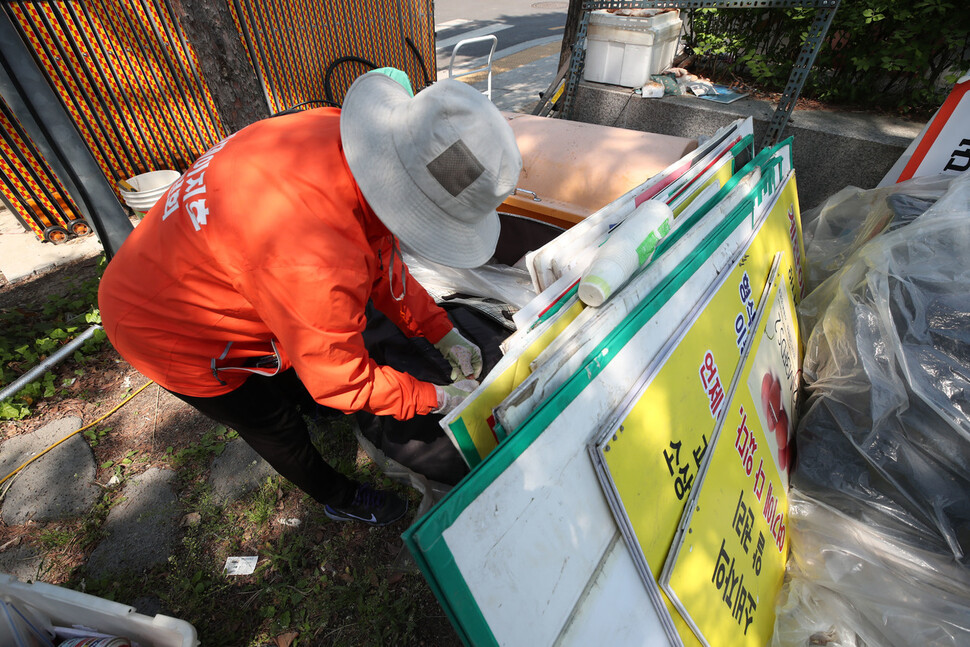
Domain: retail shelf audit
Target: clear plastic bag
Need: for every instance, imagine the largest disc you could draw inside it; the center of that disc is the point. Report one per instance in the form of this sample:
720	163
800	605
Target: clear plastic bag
850	218
511	285
850	583
887	369
880	502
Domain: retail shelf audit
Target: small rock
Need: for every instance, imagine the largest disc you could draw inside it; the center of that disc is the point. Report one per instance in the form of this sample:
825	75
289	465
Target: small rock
191	519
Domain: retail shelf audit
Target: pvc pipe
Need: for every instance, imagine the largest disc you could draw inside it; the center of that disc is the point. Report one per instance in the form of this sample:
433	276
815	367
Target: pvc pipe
42	368
630	246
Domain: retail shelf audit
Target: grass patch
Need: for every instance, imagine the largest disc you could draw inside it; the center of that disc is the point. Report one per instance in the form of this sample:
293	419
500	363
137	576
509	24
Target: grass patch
329	583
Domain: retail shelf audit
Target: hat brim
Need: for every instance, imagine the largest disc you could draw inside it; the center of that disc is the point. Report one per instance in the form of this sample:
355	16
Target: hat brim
375	108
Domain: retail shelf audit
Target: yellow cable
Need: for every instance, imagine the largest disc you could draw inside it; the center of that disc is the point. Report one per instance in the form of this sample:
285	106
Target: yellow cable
76	431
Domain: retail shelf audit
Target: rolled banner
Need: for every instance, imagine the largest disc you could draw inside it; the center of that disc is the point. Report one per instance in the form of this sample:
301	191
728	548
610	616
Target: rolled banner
630	246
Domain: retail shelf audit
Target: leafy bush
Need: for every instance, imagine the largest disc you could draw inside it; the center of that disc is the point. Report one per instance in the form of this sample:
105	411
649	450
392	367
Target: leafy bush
898	55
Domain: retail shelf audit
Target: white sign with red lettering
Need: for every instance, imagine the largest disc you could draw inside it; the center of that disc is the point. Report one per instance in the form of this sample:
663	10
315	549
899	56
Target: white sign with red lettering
943	146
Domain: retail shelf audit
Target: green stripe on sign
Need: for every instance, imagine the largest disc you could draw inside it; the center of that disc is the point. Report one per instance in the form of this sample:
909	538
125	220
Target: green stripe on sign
464	439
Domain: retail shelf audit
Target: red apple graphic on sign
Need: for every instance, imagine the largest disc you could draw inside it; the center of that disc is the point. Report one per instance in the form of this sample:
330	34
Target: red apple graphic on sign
777	419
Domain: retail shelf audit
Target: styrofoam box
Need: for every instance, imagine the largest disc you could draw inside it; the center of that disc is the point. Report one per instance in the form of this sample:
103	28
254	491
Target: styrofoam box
626	50
48	605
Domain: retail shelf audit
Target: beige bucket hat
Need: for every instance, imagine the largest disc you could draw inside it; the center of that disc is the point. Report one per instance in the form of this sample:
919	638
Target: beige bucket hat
433	167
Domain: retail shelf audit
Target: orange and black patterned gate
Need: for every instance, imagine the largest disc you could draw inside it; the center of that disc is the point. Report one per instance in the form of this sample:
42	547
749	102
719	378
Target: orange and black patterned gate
311	51
134	88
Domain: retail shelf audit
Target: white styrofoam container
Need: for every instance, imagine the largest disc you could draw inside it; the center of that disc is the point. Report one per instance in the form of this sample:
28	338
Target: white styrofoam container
54	605
626	50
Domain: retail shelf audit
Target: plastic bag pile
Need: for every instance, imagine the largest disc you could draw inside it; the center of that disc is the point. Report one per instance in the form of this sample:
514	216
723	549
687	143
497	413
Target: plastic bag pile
880	500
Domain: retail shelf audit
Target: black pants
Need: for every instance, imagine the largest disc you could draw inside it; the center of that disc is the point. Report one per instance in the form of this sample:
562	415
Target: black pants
267	412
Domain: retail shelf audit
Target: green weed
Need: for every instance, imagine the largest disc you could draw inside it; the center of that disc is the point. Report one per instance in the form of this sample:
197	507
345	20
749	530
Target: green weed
27	337
212	443
95	435
56	538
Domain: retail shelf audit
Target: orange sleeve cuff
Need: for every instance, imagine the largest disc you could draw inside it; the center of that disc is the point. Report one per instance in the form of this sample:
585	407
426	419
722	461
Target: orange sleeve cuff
427	398
439	328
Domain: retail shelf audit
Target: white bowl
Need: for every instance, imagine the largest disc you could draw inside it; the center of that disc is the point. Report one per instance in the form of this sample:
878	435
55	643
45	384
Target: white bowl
149	188
151	181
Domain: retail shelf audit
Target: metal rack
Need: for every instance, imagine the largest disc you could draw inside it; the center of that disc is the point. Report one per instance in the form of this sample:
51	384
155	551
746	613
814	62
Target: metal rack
804	62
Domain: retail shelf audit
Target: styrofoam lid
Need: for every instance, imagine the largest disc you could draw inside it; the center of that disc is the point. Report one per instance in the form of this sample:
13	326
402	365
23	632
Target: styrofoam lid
603	18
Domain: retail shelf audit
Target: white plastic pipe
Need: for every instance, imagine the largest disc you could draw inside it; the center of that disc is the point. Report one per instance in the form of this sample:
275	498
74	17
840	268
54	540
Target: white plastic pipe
629	246
34	373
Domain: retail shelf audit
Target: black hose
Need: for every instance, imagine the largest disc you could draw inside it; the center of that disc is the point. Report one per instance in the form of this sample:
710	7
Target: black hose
297	107
328	91
414	50
330	68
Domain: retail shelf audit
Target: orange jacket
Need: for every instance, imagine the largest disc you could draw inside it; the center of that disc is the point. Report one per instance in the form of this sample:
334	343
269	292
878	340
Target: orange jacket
265	247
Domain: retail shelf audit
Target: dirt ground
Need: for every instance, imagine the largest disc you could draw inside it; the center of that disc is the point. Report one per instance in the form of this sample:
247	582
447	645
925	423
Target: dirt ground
154	419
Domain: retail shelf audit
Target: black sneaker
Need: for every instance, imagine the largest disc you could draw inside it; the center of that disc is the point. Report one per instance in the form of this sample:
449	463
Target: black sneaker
374	507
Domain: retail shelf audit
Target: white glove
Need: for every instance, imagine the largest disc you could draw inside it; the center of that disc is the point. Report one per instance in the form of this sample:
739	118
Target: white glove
452	395
465	357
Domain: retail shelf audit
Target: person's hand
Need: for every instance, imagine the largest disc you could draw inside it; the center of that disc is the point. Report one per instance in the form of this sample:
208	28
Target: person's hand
465	357
452	395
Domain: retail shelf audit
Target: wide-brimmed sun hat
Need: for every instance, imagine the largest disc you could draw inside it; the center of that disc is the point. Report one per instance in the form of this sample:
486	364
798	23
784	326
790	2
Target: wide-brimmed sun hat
433	167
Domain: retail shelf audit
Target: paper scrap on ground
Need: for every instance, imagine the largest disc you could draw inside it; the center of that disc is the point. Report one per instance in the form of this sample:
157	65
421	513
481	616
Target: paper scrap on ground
241	565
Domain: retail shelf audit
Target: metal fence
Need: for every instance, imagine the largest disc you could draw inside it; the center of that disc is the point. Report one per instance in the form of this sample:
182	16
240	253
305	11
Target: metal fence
134	88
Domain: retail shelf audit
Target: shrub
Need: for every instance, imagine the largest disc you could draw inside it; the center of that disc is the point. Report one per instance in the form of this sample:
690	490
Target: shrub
897	55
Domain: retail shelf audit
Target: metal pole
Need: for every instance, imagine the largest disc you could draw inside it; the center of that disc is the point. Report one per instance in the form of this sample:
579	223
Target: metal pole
29	96
62	353
803	64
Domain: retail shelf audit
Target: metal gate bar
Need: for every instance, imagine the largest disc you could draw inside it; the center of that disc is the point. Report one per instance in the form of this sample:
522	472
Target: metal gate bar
27	92
133	89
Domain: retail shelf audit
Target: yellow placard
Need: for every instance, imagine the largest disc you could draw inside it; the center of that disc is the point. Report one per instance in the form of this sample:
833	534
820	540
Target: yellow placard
654	456
473	430
727	563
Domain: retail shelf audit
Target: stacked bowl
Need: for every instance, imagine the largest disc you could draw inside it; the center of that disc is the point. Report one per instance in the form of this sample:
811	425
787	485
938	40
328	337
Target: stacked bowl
148	188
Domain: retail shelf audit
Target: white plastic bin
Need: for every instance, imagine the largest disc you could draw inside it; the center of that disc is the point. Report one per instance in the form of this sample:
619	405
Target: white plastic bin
53	605
626	50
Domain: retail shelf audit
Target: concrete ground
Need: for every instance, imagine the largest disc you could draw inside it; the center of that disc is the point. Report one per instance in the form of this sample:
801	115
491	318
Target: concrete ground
22	255
140	531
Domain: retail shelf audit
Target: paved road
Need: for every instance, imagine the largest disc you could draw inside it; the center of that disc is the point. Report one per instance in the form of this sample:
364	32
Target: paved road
526	57
512	21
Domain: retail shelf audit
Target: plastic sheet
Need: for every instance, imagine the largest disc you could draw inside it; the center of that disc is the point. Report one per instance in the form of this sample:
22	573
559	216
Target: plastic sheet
511	285
850	583
880	512
887	366
847	220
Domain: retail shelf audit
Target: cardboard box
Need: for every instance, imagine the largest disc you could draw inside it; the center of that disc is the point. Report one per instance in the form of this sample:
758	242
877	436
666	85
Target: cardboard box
571	169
